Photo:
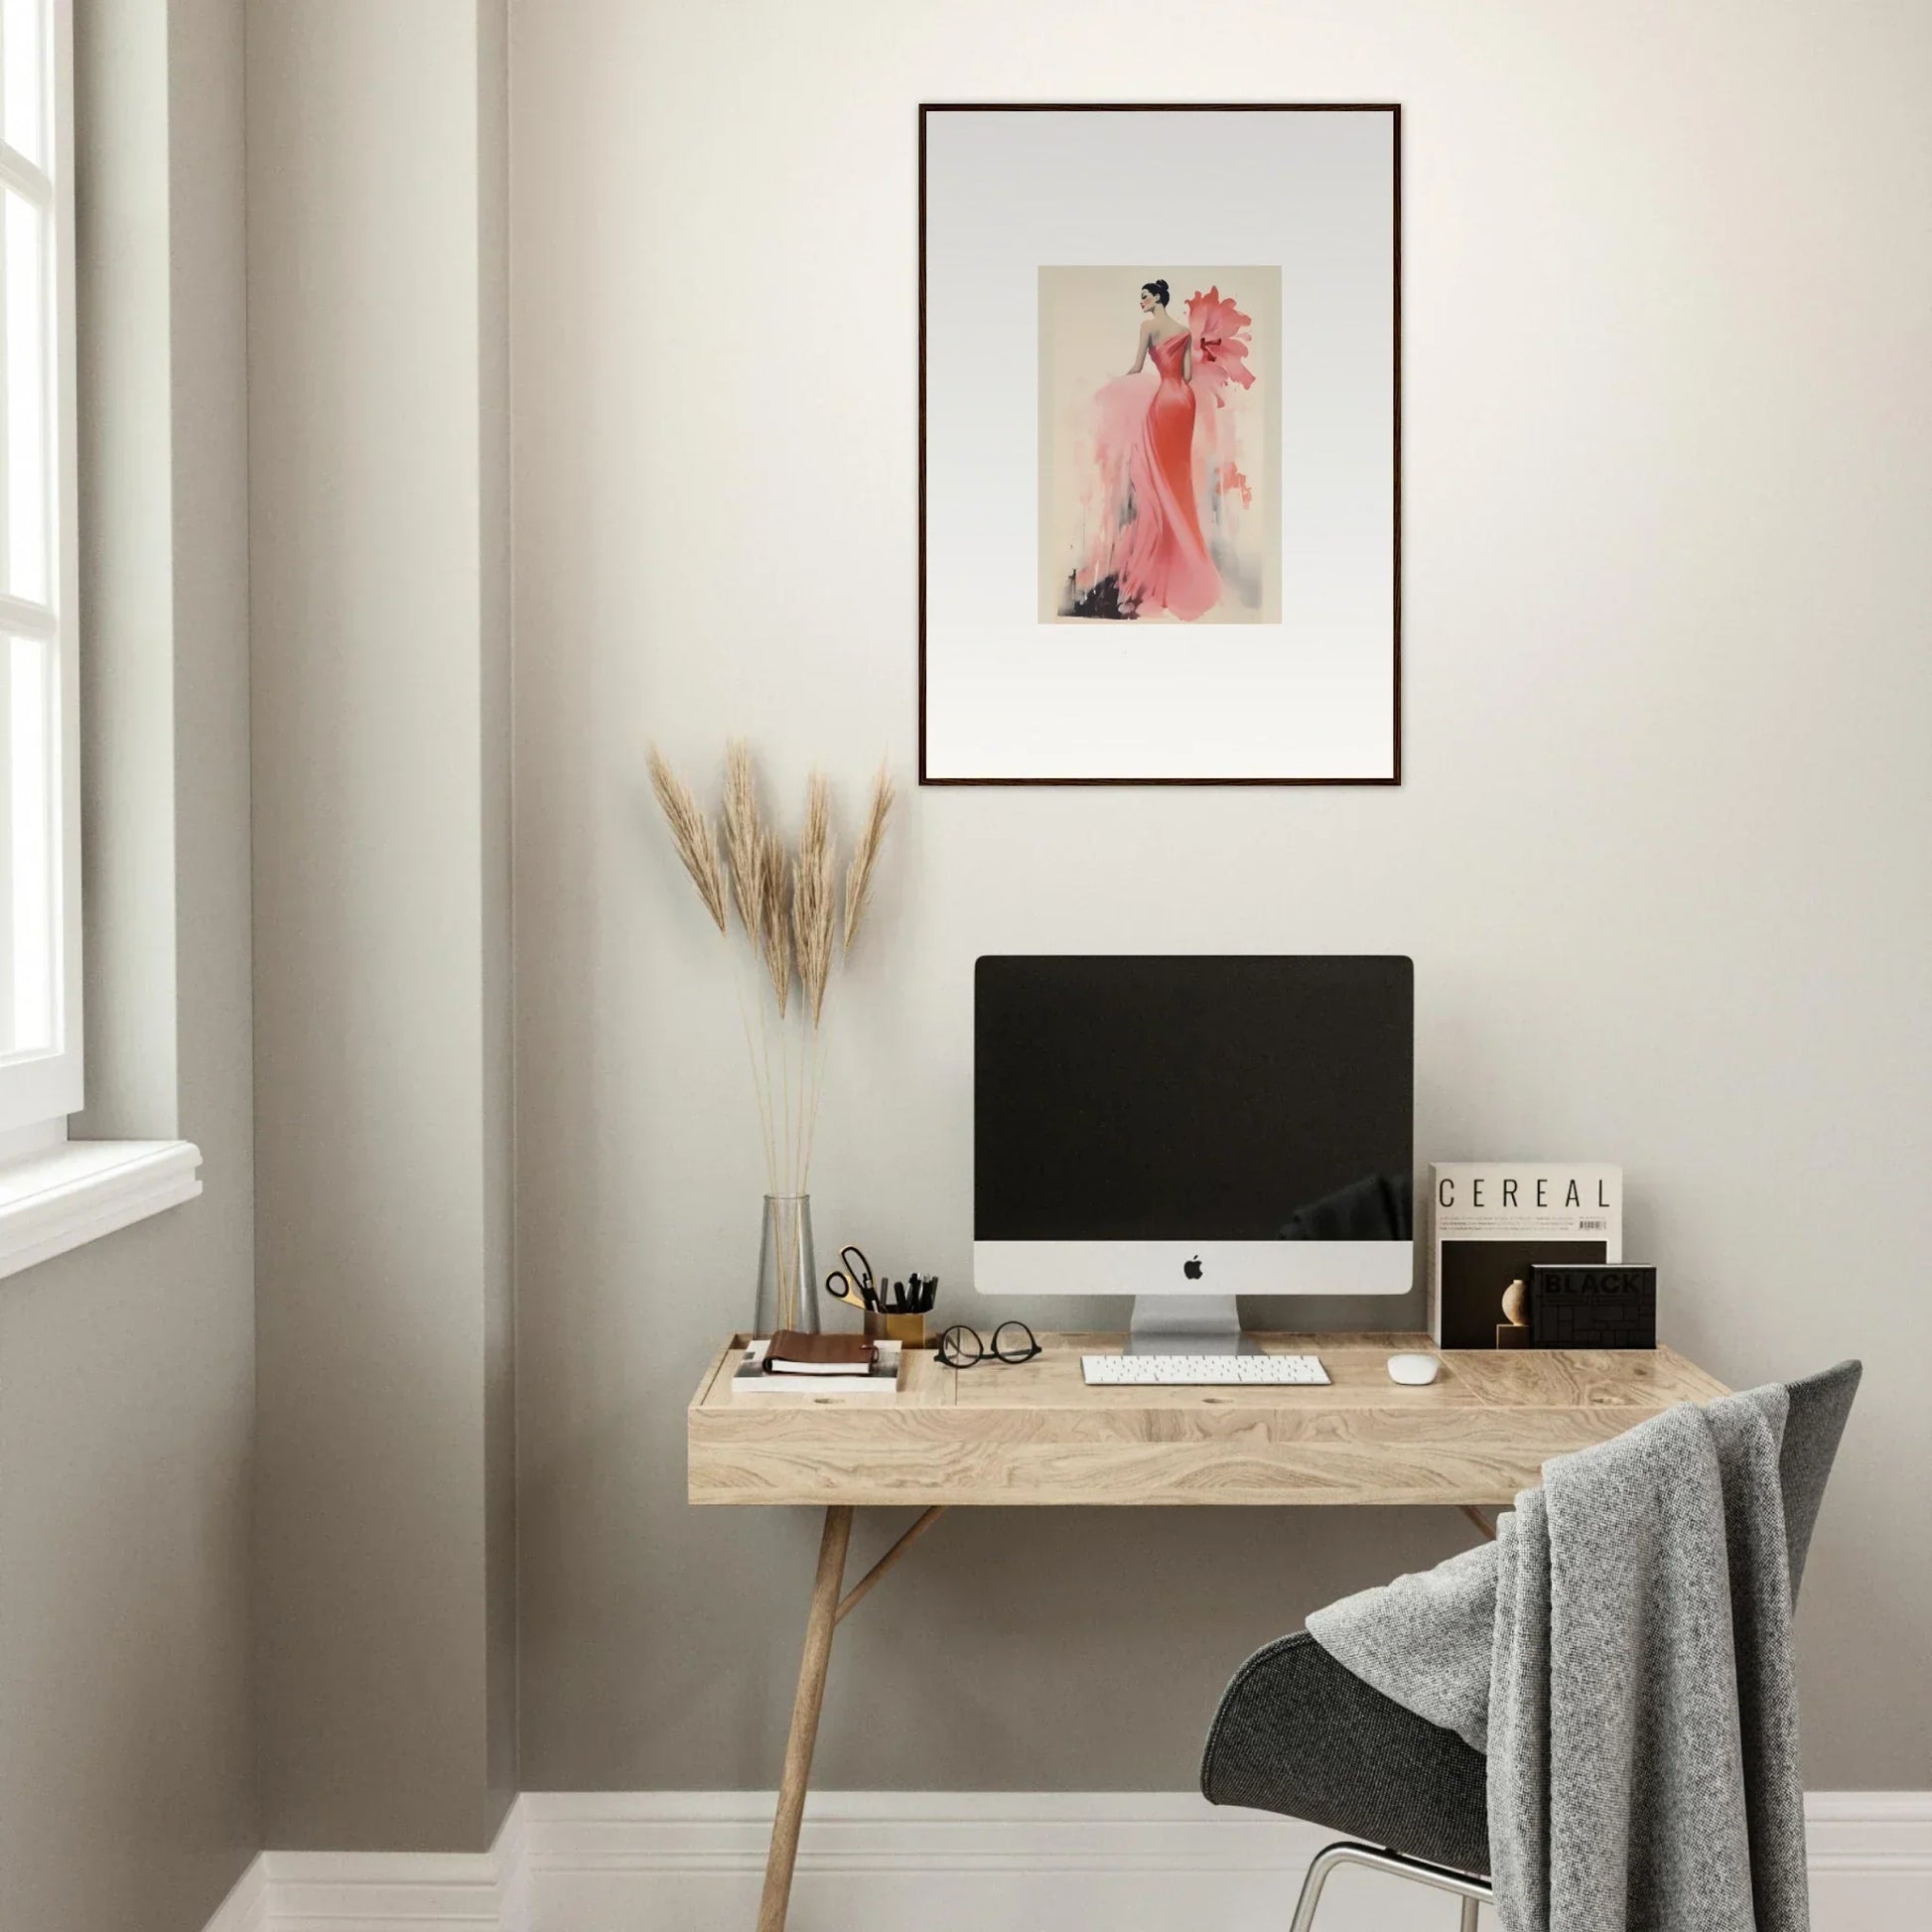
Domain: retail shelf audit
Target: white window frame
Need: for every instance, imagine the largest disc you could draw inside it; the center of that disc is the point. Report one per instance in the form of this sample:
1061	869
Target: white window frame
57	1193
40	1089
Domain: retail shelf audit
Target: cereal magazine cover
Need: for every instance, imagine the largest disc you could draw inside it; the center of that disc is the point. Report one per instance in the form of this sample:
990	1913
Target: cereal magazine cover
1490	1219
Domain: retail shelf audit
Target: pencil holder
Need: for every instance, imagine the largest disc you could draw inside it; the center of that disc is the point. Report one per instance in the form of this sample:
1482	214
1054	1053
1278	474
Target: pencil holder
906	1328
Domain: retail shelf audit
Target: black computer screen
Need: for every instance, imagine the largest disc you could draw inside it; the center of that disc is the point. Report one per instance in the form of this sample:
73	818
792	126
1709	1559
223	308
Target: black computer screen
1193	1098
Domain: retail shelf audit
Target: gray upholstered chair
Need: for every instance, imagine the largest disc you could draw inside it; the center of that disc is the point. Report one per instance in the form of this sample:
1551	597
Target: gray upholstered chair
1299	1733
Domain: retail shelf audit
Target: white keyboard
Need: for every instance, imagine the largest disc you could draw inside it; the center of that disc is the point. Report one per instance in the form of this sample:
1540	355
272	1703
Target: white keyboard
1202	1371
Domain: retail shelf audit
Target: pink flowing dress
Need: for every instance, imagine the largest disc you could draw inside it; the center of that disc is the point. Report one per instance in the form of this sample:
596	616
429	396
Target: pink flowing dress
1164	562
1160	458
1147	547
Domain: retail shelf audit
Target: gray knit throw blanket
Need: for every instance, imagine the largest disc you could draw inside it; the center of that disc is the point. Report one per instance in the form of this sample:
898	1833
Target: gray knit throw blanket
1622	1652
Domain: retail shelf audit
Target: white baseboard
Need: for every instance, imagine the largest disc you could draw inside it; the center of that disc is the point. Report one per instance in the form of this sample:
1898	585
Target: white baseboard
1869	1856
955	1862
245	1909
386	1891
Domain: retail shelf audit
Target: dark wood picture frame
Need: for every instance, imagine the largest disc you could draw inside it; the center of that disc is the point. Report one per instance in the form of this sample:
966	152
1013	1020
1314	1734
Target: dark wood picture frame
1391	108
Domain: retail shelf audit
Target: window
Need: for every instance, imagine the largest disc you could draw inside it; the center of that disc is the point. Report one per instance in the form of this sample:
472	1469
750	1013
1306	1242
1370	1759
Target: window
39	832
55	1193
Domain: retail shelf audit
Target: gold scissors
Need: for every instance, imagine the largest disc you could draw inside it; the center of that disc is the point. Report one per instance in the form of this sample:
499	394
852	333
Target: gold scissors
852	1281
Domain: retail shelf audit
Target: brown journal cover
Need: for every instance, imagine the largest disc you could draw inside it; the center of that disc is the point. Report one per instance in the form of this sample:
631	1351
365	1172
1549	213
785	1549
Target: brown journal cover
819	1351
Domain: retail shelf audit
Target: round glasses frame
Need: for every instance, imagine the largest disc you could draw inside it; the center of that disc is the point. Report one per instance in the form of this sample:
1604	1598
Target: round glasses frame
1012	1342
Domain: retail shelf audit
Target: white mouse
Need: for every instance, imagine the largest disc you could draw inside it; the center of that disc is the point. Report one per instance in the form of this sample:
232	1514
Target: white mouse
1414	1369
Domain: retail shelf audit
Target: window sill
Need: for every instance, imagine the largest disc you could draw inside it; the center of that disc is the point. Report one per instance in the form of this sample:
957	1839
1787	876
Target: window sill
81	1189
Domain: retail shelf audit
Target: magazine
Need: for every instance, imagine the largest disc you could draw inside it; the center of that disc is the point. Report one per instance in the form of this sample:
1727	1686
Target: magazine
1489	1221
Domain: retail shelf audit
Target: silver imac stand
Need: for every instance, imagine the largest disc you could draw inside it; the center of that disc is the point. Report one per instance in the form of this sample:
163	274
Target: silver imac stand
1187	1325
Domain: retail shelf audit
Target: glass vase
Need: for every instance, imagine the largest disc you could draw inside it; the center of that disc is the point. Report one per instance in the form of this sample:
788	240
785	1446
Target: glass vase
787	1268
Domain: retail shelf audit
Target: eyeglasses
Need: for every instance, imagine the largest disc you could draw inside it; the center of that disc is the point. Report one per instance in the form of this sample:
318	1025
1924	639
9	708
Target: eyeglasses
1012	1342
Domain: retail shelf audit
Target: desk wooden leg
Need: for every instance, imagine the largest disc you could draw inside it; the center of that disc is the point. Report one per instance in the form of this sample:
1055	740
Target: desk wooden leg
805	1719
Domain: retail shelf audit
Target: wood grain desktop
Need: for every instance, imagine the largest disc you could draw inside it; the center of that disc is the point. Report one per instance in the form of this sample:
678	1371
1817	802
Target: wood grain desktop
1034	1435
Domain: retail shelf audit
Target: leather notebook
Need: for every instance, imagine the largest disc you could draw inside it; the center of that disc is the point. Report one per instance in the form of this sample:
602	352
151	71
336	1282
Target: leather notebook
793	1353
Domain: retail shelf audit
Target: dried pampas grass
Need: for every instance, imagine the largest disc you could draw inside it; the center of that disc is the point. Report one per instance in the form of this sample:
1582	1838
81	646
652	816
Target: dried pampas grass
743	846
813	898
693	834
774	916
865	855
788	905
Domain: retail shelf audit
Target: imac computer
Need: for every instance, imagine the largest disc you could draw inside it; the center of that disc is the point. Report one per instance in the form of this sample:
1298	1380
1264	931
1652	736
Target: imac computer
1189	1128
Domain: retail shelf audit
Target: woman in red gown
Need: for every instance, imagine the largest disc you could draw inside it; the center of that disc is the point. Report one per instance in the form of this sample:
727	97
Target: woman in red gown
1165	563
1148	554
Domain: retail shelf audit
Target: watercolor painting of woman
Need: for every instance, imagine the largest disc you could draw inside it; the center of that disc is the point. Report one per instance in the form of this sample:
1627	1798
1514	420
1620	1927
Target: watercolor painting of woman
1163	473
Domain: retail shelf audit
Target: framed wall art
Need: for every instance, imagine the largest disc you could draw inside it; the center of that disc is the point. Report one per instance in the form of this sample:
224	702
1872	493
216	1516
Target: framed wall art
1159	444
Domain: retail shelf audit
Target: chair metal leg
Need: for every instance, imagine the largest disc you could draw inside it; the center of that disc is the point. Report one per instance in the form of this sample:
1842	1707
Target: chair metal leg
1471	1890
1324	1863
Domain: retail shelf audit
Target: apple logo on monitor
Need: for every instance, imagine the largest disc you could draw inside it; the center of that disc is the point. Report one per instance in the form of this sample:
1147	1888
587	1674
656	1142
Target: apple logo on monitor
1192	1269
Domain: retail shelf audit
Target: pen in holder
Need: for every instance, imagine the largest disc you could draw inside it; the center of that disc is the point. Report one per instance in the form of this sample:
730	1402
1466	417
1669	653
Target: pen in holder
903	1310
893	1311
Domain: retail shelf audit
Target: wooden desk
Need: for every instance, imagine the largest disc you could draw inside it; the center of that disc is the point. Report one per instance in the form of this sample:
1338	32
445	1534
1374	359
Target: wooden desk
1032	1435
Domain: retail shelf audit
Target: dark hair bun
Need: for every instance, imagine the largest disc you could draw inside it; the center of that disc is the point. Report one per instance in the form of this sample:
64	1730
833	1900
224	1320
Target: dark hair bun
1159	291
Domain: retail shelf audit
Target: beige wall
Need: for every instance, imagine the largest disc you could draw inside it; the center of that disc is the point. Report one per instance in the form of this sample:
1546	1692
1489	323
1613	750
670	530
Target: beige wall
378	499
127	1748
1660	857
